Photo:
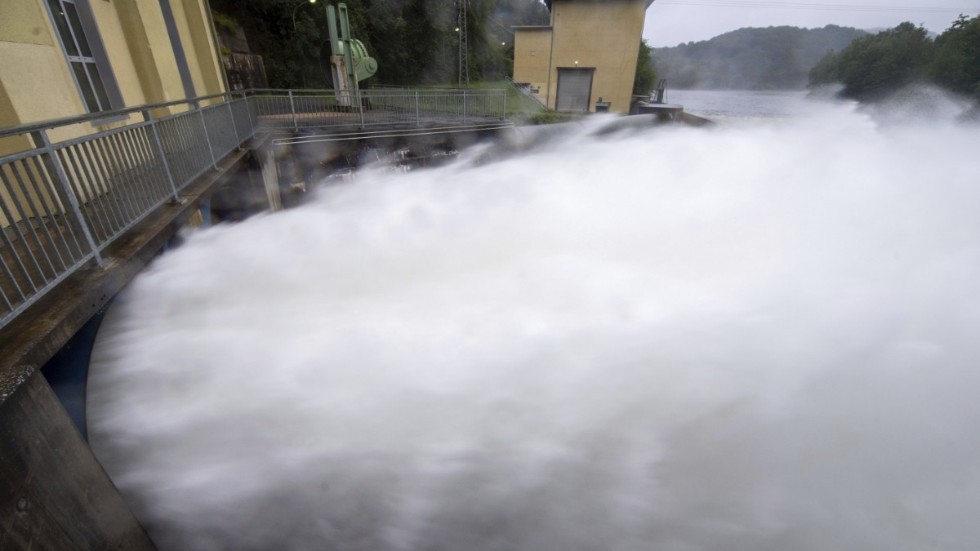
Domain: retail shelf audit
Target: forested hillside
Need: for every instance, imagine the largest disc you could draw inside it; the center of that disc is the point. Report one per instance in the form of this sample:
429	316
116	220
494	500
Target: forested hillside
774	58
414	41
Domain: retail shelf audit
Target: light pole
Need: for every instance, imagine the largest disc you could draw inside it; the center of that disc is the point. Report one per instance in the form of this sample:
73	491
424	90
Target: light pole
296	8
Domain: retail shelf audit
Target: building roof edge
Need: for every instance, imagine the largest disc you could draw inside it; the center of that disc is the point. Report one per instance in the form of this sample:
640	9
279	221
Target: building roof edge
548	3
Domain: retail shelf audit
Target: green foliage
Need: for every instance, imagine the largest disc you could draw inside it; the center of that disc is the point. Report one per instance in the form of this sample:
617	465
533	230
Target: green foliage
754	59
956	65
646	74
827	70
874	65
554	117
223	21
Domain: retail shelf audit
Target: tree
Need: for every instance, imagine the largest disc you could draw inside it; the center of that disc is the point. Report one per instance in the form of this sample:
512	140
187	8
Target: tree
646	74
773	58
956	65
872	66
826	71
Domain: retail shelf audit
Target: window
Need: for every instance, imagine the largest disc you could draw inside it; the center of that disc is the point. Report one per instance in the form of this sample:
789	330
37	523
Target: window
85	54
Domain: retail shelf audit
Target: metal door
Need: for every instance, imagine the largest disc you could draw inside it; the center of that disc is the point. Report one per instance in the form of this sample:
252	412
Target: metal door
574	89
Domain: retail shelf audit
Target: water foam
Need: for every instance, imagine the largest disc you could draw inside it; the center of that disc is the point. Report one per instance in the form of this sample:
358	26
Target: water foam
757	337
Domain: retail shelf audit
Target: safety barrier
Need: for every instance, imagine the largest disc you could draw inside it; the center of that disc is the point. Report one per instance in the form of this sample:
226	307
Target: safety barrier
66	192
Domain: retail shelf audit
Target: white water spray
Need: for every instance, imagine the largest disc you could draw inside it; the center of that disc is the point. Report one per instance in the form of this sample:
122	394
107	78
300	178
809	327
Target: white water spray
762	337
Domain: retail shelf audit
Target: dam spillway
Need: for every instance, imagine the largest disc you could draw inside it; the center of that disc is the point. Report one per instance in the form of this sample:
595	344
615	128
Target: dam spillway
743	338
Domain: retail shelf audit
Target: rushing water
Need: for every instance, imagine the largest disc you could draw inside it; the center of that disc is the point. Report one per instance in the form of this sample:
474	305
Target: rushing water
758	336
727	106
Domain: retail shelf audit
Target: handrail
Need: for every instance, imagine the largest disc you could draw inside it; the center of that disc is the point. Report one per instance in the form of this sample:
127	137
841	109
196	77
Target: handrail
28	128
95	118
62	203
526	93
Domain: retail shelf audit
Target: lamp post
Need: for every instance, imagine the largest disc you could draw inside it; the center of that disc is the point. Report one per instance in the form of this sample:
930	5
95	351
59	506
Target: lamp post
296	8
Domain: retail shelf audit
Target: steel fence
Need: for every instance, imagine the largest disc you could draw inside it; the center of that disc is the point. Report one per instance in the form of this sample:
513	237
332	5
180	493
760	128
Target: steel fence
296	110
67	193
63	202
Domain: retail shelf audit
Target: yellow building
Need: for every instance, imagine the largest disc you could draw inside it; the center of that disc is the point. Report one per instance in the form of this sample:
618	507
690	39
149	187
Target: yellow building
62	58
587	56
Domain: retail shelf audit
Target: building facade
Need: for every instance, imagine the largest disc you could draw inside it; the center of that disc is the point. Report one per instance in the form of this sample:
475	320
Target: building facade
586	57
62	58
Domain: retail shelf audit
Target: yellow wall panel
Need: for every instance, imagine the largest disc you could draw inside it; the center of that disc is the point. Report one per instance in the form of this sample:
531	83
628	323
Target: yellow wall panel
114	38
37	82
604	35
532	55
25	21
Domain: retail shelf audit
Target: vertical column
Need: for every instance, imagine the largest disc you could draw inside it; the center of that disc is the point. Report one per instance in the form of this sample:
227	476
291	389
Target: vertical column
292	109
270	178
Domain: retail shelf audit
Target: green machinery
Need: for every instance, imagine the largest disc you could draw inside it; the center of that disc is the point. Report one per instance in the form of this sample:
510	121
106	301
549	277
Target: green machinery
349	59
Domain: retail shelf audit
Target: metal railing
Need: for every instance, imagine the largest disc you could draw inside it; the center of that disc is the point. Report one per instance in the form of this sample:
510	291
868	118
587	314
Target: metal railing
67	193
525	90
291	109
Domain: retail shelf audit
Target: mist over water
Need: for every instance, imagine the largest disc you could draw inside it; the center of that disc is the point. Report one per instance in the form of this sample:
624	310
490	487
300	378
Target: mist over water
749	337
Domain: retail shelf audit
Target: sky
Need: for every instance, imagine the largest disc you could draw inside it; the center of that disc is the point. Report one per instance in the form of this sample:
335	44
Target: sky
673	22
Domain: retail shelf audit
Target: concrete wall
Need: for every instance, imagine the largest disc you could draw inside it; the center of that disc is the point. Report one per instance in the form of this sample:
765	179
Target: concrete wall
603	35
532	58
35	77
194	23
600	34
53	492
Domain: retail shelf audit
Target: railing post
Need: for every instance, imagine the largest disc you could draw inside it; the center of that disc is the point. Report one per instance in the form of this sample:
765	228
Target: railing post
464	106
207	138
234	125
360	107
148	117
418	118
253	126
504	114
292	109
62	177
270	179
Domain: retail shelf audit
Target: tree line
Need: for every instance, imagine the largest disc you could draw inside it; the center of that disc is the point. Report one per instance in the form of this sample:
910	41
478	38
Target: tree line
874	65
772	58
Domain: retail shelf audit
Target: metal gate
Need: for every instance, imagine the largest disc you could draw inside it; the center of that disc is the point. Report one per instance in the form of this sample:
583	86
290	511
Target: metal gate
574	89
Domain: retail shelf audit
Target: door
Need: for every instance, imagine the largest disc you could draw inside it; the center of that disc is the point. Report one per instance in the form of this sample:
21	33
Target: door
574	89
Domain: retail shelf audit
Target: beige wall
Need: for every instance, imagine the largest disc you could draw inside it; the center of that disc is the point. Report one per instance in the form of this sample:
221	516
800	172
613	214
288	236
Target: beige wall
33	72
603	35
35	78
200	47
600	34
154	69
532	55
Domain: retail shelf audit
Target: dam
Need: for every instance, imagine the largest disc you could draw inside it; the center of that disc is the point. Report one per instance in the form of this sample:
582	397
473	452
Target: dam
84	215
755	335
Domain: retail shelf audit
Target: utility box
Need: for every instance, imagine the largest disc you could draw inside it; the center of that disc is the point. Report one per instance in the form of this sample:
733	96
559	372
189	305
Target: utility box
602	106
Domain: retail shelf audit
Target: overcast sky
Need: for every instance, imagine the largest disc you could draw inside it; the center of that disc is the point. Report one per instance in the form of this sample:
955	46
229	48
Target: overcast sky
672	22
